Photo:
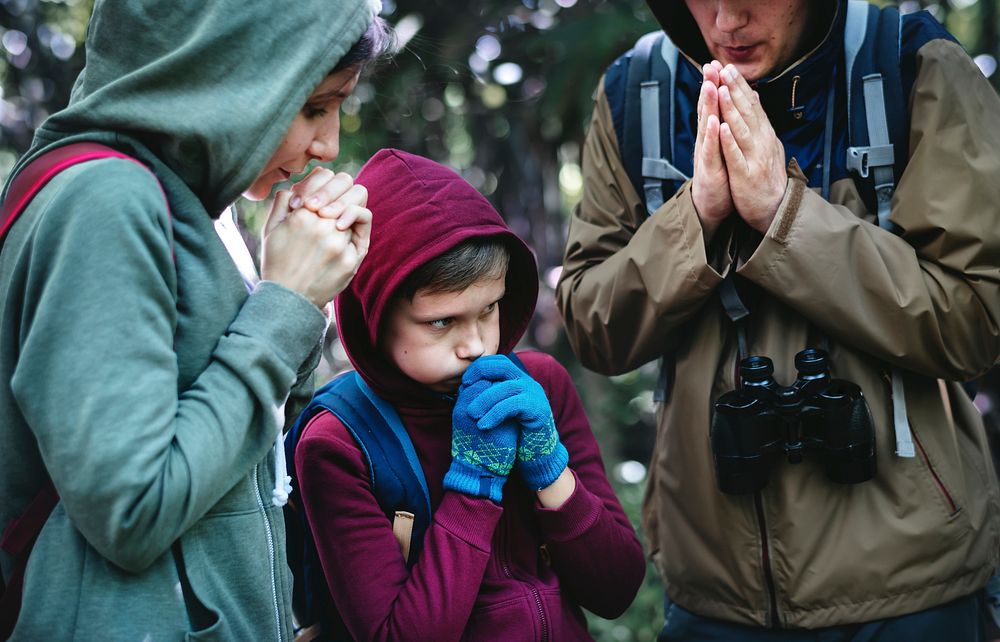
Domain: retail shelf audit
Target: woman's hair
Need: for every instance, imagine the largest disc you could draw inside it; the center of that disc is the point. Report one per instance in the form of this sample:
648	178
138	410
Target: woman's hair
458	268
375	45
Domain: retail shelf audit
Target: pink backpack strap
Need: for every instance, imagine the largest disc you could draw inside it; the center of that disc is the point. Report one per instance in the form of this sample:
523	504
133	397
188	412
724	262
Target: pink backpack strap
40	171
18	539
20	534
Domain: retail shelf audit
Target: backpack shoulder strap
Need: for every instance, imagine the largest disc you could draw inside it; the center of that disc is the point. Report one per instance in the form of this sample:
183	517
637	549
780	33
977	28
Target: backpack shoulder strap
876	106
872	43
20	534
36	175
517	362
396	476
648	130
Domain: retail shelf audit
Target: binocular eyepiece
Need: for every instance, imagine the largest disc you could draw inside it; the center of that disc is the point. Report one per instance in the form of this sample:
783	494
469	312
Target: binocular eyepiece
755	425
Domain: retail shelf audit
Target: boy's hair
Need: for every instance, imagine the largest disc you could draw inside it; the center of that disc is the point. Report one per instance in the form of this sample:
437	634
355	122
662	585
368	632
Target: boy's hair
459	267
377	43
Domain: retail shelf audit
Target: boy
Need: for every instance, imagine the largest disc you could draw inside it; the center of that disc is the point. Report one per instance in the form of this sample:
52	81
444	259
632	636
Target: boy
510	460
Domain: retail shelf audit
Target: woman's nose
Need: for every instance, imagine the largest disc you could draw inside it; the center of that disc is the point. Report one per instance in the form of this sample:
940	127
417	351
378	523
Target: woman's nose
325	145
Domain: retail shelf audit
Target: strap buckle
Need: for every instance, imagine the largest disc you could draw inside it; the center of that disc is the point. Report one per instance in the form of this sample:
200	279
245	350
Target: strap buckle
860	160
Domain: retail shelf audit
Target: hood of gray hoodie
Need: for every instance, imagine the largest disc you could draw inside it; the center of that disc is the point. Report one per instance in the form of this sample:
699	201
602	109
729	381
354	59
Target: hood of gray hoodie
170	80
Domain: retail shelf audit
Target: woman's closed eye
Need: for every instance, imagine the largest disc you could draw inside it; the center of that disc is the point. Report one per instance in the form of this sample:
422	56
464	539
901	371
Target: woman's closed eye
314	111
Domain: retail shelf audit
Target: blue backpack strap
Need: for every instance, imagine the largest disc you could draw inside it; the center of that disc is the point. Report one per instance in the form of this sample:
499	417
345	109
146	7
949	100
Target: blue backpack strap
517	362
878	120
395	473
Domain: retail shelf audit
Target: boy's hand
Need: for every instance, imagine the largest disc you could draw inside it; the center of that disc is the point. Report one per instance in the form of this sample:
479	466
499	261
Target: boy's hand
480	459
514	397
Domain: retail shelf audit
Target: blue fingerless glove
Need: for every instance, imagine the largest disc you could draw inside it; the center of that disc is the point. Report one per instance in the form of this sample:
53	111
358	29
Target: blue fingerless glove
514	396
480	459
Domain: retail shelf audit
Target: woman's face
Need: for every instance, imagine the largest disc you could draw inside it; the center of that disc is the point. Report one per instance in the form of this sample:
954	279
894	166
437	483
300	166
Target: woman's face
313	135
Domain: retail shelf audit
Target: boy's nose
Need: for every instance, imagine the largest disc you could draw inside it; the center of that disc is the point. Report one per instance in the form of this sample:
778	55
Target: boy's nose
471	347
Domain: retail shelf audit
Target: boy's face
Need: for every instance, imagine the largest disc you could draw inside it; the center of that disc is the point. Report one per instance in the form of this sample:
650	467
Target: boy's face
436	336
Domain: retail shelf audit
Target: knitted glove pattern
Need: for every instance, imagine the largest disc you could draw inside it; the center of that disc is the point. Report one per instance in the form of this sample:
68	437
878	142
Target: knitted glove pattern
480	459
515	397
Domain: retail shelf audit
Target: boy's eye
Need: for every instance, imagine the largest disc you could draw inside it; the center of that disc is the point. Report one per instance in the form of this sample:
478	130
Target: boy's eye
490	308
440	324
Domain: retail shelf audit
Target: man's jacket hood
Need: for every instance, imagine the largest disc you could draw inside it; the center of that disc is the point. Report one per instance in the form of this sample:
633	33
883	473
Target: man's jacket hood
172	80
421	210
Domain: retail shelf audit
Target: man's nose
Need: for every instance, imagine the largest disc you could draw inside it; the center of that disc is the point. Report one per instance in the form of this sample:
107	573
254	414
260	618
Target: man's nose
731	16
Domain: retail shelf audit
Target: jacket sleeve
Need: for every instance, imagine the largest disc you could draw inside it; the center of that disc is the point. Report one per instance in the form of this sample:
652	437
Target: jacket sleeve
377	597
929	300
136	460
592	544
629	281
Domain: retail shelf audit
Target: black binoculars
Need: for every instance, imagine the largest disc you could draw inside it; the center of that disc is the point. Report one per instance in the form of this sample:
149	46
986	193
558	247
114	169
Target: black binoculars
754	425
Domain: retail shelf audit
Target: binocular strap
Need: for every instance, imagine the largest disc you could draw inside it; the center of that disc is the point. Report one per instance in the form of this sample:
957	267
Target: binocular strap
736	310
904	437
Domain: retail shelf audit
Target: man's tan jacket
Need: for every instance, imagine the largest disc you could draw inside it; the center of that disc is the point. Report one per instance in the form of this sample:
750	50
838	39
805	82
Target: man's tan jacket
807	552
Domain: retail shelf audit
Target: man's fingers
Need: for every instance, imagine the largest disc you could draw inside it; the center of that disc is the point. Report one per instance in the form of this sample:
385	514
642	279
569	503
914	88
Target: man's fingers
700	133
731	152
744	96
741	94
735	119
711	155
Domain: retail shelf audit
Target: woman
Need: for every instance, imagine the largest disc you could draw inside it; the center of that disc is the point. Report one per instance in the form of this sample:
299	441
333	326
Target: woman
139	374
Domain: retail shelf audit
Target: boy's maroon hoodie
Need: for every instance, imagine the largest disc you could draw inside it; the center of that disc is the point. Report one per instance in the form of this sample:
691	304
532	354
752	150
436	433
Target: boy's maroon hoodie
511	572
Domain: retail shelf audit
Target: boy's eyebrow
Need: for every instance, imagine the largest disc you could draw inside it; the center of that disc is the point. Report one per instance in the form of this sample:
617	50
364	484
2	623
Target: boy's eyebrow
424	318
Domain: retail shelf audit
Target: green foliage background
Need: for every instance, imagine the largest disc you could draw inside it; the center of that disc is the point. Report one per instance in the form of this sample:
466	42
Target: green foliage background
518	142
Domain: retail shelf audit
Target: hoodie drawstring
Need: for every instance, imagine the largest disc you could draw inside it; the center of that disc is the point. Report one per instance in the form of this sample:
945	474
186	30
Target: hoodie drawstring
282	480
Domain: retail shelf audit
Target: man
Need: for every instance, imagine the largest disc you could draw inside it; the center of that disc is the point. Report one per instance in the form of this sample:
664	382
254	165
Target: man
914	309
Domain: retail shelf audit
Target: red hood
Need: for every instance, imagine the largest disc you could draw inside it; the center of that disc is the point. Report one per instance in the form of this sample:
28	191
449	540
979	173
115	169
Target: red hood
421	209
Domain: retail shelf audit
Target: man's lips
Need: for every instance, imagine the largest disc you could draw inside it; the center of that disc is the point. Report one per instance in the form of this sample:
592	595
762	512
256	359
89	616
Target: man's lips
739	54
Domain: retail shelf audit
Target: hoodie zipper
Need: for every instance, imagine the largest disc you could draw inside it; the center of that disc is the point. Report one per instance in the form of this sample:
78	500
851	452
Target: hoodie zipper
270	549
543	621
